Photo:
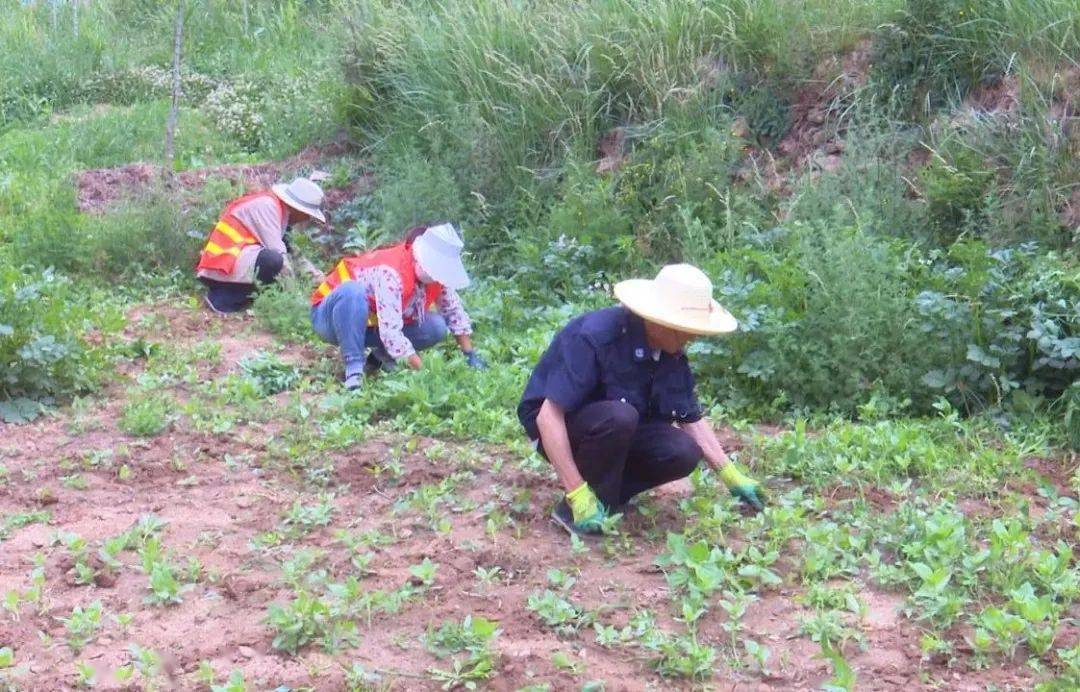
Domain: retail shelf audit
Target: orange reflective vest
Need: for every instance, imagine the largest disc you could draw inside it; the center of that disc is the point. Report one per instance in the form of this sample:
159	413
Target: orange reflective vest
398	257
231	235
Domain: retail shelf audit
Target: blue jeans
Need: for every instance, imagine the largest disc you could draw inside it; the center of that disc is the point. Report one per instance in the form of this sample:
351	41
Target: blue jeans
341	319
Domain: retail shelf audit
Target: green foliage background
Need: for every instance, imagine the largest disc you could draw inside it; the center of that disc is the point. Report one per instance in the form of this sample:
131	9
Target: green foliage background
879	280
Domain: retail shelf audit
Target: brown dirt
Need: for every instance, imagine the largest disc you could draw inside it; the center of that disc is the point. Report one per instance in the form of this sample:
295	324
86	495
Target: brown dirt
218	493
100	189
815	130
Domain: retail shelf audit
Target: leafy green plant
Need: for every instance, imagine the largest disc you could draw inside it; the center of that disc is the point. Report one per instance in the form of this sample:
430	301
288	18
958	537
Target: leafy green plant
304	518
44	357
82	626
147	416
164	587
269	372
473	635
558	612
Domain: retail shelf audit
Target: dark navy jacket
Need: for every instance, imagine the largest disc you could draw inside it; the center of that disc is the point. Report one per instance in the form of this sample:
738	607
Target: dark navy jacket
603	356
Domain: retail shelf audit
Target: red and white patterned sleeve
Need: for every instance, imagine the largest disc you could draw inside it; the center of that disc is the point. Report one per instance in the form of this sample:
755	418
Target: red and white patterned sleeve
453	311
385	286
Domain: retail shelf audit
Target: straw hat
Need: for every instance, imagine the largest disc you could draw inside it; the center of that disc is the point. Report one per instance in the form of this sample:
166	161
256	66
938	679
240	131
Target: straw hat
679	297
438	250
302	195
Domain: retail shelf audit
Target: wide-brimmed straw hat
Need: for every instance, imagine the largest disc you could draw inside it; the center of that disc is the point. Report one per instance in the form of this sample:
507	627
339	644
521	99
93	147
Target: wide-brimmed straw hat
680	297
302	195
438	250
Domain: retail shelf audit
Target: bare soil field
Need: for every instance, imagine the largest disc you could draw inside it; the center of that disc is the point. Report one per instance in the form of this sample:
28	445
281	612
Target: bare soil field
453	529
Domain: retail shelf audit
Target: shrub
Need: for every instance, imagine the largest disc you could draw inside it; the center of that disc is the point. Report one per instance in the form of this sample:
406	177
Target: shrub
41	353
155	233
1008	319
826	318
415	192
955	192
834	319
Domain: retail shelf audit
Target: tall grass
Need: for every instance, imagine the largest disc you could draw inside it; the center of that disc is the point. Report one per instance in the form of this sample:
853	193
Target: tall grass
505	94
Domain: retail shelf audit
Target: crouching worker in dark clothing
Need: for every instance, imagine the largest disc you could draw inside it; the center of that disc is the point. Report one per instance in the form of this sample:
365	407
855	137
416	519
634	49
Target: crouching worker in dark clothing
248	245
611	404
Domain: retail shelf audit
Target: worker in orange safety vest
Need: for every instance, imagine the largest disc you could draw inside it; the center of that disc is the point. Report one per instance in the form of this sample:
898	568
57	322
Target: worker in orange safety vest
248	244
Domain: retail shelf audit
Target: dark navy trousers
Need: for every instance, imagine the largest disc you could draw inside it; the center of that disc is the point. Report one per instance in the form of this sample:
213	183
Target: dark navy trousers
620	456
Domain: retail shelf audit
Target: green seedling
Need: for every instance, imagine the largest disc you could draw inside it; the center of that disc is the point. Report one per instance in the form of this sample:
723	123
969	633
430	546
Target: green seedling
560	580
680	656
82	626
564	661
75	482
473	635
302	518
164	588
235	683
424	572
147	416
843	679
85	675
559	613
487	576
758	653
306	619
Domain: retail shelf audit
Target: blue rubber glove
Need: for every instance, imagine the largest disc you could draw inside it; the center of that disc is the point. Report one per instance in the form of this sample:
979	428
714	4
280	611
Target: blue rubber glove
475	361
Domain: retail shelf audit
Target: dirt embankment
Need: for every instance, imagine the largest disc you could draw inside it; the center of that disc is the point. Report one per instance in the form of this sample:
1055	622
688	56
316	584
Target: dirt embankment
100	189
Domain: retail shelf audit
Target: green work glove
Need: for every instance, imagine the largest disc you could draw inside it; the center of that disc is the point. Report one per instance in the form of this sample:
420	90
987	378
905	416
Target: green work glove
746	489
588	513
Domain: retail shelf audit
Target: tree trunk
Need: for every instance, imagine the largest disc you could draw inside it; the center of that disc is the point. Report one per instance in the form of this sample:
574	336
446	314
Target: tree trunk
75	18
174	109
245	4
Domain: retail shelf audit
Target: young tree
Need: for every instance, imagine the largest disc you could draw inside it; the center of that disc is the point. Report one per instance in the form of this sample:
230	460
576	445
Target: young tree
174	109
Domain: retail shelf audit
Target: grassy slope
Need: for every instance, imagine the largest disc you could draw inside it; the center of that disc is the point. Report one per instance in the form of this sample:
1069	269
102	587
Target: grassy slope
871	504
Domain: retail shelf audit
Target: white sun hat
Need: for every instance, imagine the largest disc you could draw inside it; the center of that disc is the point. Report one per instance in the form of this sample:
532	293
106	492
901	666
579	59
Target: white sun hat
438	250
302	195
680	297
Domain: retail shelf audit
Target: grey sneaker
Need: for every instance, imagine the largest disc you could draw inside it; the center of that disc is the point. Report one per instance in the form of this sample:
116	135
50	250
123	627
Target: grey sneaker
353	381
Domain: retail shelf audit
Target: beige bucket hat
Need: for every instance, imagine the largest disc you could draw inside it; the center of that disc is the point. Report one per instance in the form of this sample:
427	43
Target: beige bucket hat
302	195
680	297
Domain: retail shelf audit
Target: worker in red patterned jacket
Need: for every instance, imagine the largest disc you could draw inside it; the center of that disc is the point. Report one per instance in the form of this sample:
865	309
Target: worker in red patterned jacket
395	300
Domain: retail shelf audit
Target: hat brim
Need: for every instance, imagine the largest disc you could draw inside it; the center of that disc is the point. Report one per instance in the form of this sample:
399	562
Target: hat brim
449	272
641	298
282	191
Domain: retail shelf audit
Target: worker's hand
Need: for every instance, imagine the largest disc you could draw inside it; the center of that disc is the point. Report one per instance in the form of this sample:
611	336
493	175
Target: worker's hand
475	360
414	362
746	489
589	514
